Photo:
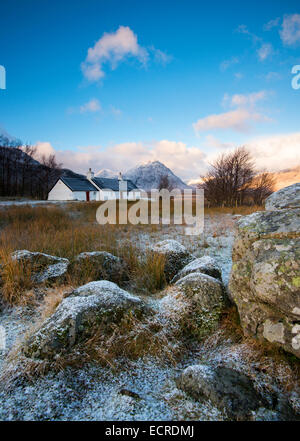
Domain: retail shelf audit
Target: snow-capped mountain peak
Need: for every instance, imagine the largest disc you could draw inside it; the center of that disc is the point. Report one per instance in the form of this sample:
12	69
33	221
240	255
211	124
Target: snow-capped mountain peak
148	176
106	173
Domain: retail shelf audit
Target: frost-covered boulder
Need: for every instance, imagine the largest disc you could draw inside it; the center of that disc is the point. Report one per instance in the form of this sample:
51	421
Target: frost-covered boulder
193	305
78	317
206	265
227	388
265	277
287	197
45	268
176	256
101	264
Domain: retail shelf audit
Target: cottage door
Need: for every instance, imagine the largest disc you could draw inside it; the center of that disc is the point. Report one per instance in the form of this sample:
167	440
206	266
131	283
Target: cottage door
87	196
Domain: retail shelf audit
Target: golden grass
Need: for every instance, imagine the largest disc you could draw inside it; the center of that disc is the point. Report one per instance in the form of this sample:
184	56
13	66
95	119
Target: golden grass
66	232
70	229
16	280
243	210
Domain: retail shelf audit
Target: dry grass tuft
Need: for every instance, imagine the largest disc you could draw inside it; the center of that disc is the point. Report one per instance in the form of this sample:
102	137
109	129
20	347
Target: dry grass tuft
16	280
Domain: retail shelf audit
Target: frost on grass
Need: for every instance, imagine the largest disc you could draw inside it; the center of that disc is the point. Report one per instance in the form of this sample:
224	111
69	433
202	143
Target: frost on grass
94	393
45	267
78	316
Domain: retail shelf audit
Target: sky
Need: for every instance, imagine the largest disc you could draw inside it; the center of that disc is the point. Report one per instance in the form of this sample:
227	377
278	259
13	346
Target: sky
111	84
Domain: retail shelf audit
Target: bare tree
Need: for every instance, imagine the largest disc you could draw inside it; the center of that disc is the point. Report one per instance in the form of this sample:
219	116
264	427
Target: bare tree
229	178
21	174
262	186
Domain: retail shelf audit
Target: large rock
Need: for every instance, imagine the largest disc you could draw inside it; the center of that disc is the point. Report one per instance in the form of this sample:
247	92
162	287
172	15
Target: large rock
45	268
265	278
101	264
176	256
192	307
206	265
78	317
227	388
288	197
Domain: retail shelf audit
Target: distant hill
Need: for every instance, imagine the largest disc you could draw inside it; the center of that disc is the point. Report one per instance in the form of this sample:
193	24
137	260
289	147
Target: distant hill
147	176
70	174
107	173
22	175
288	177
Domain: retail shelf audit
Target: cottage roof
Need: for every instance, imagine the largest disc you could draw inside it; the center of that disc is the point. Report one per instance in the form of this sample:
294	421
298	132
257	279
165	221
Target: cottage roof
113	184
78	184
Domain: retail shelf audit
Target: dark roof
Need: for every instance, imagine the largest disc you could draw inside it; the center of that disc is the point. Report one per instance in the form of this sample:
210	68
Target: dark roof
78	184
113	184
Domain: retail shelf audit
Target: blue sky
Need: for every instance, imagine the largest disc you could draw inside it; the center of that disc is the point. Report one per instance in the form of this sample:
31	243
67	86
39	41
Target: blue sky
176	80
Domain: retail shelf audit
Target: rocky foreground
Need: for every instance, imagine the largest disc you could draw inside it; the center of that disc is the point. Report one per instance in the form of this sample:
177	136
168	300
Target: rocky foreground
176	358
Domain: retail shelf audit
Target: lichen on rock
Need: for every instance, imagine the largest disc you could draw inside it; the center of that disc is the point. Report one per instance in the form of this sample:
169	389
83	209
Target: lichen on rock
79	316
192	307
287	197
45	268
101	264
265	272
176	256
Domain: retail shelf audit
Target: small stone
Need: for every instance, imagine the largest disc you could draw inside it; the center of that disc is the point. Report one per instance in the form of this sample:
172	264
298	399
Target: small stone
206	265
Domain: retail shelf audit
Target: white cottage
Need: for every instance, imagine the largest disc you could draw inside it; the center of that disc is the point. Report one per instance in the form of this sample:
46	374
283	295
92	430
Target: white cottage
92	188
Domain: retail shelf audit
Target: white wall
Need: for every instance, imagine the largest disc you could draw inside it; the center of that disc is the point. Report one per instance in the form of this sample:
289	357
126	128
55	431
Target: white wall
79	195
60	192
105	195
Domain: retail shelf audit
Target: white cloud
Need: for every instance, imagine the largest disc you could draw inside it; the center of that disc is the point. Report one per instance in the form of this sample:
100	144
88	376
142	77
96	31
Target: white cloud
43	149
270	76
242	29
276	152
271	24
272	152
226	64
91	106
244	100
290	30
238	75
160	56
239	120
215	143
115	111
265	51
112	48
183	160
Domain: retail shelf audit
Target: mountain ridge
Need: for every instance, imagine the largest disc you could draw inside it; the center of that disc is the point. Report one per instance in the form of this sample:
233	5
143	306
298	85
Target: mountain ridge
147	176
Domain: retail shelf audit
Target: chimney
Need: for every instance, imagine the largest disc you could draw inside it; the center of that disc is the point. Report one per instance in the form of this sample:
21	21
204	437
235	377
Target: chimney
90	174
120	177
